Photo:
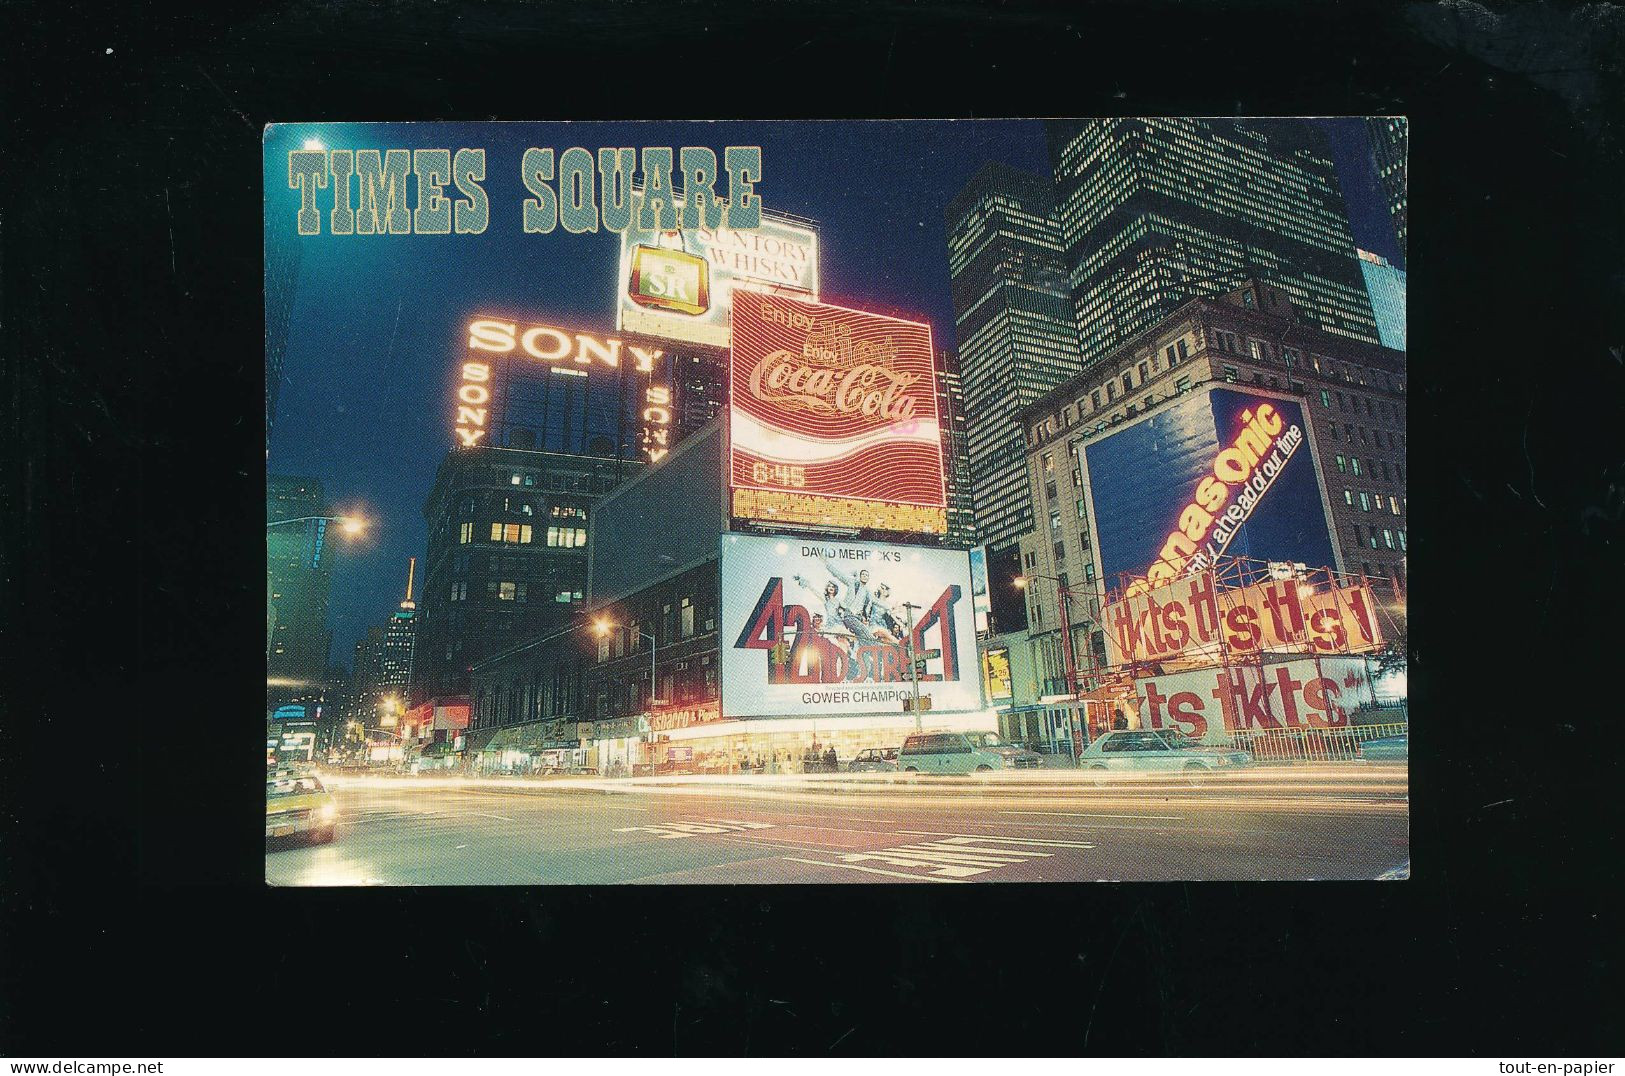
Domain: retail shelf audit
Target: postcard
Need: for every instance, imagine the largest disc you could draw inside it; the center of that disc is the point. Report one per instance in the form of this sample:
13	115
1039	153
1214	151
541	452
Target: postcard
872	502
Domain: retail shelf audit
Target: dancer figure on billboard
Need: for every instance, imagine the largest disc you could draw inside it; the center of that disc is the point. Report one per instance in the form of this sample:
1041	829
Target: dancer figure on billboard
831	621
855	606
882	619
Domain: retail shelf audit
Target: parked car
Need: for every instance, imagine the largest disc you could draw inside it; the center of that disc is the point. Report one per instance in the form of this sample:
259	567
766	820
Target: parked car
874	760
1387	749
296	804
963	752
1156	749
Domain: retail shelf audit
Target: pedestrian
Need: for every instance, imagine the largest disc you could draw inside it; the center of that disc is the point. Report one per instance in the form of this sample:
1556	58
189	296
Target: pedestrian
831	762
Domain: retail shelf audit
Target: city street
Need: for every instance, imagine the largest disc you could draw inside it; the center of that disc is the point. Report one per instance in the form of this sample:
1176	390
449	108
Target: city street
1346	821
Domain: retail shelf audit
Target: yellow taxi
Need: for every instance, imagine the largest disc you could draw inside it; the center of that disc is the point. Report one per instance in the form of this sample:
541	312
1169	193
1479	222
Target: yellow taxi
296	804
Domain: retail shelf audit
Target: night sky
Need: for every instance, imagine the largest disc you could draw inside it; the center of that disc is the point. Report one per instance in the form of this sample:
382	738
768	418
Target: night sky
374	334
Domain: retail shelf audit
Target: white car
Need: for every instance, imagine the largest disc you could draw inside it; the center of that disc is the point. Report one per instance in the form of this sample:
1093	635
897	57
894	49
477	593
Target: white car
1157	749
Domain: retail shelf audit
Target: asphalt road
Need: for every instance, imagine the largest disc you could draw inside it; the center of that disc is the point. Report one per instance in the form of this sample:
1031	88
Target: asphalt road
1310	822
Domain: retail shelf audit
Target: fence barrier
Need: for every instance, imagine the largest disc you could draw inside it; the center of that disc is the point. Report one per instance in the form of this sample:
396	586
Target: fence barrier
1313	745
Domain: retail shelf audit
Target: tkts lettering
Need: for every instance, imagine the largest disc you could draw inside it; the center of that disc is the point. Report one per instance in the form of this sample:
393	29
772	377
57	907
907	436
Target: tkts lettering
1191	615
1239	700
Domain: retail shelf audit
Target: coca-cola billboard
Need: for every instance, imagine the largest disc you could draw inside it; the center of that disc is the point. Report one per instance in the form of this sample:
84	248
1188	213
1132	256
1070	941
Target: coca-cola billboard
833	418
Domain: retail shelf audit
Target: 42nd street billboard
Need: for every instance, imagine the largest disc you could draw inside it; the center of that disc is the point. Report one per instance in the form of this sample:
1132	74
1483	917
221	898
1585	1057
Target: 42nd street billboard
812	627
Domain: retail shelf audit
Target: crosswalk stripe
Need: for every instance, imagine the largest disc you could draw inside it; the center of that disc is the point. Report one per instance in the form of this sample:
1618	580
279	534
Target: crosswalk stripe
962	837
872	870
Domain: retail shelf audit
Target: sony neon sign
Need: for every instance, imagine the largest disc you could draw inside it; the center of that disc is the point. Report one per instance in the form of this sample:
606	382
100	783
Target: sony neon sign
547	343
550	344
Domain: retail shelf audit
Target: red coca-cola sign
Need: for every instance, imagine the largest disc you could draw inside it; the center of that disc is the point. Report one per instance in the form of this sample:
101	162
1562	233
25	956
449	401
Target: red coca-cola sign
834	415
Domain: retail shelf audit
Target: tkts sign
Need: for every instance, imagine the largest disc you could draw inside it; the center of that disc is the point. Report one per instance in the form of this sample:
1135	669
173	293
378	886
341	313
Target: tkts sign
833	417
1212	705
1193	617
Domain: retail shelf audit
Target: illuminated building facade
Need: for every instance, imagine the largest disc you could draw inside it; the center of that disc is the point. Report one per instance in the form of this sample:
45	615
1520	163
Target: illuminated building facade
547	419
1390	149
384	666
1386	286
1014	326
527	696
1154	212
299	574
1353	395
507	559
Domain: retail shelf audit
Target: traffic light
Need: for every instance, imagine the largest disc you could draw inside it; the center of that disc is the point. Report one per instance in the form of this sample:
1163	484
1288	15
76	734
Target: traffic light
779	652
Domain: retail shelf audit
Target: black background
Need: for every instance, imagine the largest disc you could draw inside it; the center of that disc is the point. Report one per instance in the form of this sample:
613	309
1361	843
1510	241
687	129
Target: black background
136	922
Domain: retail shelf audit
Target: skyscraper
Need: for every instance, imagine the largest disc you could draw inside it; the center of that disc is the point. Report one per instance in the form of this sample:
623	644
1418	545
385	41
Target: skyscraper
1154	212
400	643
364	676
1386	286
955	451
1390	146
1014	326
297	579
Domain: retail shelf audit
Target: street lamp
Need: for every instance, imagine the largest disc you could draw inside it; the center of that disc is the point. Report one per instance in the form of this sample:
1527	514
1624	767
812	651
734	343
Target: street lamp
351	526
603	628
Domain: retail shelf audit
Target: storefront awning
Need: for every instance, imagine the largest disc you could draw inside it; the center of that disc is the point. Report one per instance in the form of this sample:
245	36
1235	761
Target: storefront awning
479	739
532	738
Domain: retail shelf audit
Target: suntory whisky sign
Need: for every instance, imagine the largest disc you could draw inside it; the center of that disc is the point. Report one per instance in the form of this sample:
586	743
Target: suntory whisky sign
833	418
679	285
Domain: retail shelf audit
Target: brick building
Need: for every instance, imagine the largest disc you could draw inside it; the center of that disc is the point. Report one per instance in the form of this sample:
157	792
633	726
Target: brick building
1353	394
